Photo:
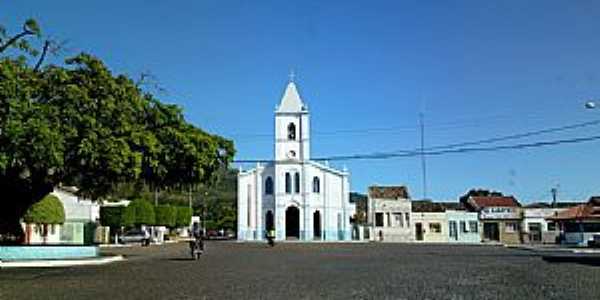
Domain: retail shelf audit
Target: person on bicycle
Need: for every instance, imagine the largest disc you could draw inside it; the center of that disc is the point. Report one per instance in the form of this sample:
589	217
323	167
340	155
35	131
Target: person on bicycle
198	235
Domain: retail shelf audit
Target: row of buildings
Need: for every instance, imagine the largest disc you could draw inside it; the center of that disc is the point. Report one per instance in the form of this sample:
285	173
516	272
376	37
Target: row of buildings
300	198
393	217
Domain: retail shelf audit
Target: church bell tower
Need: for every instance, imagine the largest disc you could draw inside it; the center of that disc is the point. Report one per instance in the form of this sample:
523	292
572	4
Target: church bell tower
292	127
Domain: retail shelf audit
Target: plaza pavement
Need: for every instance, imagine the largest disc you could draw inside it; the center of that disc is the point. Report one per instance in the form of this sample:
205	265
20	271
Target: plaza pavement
231	270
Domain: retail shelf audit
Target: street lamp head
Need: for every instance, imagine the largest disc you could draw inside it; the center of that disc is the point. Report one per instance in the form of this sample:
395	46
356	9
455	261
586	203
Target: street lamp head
590	105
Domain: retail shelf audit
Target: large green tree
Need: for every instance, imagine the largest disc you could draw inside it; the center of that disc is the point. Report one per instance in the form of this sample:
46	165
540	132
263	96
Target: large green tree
81	124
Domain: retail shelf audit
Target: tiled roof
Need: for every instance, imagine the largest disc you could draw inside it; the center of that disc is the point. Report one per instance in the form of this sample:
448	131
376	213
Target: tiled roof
590	210
389	192
550	205
491	201
429	206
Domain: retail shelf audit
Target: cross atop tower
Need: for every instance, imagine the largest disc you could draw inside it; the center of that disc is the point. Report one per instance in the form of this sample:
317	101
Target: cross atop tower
292	75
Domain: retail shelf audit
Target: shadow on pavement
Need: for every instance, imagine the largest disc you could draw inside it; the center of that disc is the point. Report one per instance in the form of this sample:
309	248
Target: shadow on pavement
582	260
180	259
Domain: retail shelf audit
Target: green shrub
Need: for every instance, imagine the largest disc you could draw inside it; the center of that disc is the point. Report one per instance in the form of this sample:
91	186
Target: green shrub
49	210
184	216
166	215
111	216
143	211
117	216
128	217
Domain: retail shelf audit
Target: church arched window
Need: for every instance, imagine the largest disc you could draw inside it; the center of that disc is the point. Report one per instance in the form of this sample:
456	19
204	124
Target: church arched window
297	182
269	186
316	185
288	183
291	131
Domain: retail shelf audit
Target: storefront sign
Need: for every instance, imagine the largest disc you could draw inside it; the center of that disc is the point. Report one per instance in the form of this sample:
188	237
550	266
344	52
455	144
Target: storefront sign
499	213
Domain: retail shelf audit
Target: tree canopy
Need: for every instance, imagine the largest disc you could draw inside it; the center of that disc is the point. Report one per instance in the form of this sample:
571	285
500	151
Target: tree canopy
49	210
80	124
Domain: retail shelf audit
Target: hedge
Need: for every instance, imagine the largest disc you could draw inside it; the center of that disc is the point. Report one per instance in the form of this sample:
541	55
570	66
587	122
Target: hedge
49	210
143	211
184	216
116	216
166	215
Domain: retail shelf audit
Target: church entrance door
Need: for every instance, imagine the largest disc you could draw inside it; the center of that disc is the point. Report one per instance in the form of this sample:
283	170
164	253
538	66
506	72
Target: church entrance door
317	225
292	223
270	224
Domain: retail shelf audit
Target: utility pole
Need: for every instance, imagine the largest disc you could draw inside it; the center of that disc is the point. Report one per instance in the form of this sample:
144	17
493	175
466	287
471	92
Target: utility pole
423	163
190	196
554	192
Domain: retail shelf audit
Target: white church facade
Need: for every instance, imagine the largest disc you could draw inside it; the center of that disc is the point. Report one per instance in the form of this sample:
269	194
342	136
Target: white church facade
300	199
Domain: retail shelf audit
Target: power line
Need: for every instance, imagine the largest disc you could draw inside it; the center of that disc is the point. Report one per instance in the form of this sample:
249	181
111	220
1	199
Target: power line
519	135
447	151
386	129
427	151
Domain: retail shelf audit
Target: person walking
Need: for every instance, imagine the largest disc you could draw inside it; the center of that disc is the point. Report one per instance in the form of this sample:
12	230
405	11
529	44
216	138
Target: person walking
271	237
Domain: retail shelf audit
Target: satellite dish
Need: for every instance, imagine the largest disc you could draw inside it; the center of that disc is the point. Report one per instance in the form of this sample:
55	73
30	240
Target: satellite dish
590	105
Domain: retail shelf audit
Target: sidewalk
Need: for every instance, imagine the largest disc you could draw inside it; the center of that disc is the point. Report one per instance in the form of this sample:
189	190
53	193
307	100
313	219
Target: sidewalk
554	248
563	254
61	263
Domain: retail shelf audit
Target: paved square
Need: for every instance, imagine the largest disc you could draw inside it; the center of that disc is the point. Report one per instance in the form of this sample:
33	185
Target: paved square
311	271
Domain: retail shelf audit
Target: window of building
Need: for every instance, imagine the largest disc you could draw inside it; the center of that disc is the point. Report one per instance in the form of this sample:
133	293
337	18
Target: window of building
511	227
473	226
269	186
389	220
435	227
379	219
316	185
551	226
52	229
463	226
288	183
297	182
398	220
591	227
291	131
407	217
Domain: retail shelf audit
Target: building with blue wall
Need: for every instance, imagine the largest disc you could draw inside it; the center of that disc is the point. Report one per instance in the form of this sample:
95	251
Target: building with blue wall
463	227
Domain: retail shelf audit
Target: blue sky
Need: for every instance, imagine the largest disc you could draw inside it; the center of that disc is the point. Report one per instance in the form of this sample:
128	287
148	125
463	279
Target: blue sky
476	69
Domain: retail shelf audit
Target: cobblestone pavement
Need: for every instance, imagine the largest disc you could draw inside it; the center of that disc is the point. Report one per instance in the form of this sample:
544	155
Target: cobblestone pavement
311	271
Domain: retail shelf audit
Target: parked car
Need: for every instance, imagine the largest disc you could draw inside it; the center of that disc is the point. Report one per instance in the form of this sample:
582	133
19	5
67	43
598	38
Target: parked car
211	234
594	241
135	236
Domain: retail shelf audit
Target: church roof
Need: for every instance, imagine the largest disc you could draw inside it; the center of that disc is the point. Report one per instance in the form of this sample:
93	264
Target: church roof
291	101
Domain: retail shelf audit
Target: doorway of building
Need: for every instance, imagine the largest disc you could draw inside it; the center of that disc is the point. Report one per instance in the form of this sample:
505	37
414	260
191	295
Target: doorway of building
535	232
453	230
491	232
317	225
419	231
292	223
269	220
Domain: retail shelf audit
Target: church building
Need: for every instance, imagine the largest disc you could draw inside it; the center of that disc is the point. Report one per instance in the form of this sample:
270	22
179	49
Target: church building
301	199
